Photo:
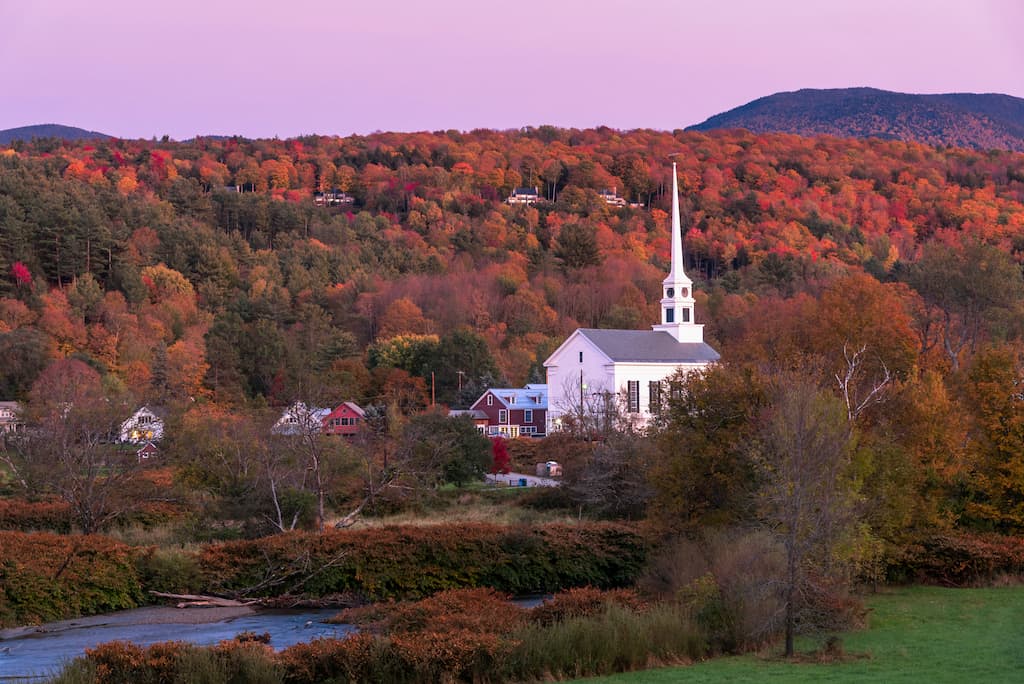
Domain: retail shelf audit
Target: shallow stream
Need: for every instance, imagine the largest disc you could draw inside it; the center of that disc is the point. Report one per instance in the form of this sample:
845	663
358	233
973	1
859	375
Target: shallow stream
41	652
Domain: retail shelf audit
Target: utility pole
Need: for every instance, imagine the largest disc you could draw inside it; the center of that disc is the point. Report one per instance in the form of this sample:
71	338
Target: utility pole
582	387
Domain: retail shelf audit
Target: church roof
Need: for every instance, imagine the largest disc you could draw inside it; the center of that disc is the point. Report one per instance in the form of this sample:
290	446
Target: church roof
648	346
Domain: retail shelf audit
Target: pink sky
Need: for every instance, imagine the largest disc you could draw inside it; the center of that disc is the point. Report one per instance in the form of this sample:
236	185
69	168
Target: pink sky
134	68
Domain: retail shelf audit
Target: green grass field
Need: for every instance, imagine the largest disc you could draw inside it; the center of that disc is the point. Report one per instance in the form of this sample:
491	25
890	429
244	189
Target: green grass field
919	634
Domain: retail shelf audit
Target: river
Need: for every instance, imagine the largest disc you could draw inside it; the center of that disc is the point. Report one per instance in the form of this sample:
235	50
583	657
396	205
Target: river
36	653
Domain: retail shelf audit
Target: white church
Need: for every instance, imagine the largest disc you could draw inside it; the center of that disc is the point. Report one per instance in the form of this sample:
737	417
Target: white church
630	367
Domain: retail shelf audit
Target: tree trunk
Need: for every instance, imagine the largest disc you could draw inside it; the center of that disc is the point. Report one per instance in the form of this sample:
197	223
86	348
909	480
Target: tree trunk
790	608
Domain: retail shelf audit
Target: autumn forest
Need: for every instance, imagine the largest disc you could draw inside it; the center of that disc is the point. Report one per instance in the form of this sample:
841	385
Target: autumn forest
883	275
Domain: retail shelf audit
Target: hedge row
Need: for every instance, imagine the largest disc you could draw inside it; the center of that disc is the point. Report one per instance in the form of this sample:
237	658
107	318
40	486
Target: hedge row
957	560
416	561
22	515
47	577
54	515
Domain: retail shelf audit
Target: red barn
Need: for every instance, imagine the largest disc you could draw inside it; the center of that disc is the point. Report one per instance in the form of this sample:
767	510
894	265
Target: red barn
515	412
344	420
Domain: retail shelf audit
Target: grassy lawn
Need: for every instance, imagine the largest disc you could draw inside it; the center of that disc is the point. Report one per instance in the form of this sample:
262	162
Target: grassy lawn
919	634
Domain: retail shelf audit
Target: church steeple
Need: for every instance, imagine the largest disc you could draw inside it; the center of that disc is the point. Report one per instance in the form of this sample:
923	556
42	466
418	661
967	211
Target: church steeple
677	290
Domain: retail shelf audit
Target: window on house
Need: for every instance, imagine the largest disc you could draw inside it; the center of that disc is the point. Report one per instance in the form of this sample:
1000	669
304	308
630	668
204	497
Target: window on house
633	389
503	415
686	315
528	416
581	357
512	399
675	390
490	400
670	315
654	396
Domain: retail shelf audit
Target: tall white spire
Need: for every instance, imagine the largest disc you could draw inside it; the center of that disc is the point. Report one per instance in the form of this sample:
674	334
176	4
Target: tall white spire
677	290
677	231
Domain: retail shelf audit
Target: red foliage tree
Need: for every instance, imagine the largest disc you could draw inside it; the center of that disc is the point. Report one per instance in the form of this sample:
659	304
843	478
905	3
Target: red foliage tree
22	276
501	460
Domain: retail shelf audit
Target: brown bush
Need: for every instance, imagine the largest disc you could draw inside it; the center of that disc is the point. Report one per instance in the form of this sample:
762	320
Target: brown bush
52	515
956	560
416	561
583	602
50	577
726	580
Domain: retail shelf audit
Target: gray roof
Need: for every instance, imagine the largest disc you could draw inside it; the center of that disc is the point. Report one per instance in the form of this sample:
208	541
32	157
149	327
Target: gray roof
648	346
475	415
532	397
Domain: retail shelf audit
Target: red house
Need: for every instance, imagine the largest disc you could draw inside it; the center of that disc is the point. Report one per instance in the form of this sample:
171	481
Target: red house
344	420
514	412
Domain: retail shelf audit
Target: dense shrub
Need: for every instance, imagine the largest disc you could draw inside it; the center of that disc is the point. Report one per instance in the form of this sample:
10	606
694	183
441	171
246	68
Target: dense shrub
583	602
169	570
412	562
54	515
477	610
357	658
47	576
21	515
117	662
615	640
729	582
957	560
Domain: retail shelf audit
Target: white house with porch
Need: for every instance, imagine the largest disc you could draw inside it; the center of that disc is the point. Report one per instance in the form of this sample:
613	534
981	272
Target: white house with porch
299	419
145	425
593	367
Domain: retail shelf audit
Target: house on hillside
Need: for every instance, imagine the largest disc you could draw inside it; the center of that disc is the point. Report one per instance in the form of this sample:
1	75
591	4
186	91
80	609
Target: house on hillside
514	412
345	420
612	197
596	371
299	419
147	451
145	425
332	198
523	196
10	417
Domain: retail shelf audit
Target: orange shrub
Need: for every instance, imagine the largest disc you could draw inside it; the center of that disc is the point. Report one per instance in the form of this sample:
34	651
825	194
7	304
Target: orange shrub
51	577
353	659
957	559
416	561
583	602
476	610
19	514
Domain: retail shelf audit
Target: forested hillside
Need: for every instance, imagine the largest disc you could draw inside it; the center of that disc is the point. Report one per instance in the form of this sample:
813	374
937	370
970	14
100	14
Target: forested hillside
976	120
26	133
142	258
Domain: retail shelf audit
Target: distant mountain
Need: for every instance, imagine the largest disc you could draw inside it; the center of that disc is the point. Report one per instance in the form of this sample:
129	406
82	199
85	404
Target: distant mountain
980	121
49	131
